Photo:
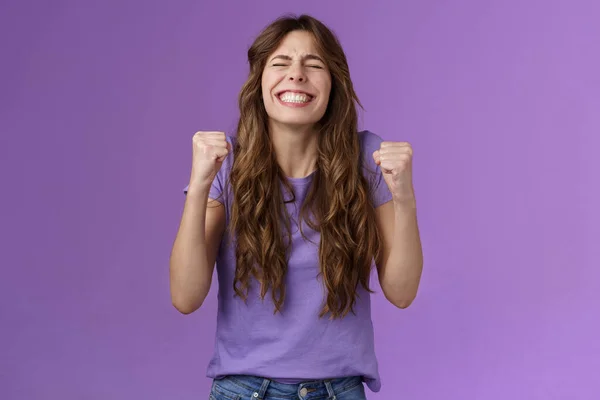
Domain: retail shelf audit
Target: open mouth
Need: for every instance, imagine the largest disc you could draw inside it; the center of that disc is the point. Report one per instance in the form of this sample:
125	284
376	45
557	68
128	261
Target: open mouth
294	97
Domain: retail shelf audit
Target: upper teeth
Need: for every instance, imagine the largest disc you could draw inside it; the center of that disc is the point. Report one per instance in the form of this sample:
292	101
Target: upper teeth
290	97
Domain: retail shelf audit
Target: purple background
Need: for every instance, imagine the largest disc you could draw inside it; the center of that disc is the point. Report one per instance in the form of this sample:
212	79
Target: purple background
98	104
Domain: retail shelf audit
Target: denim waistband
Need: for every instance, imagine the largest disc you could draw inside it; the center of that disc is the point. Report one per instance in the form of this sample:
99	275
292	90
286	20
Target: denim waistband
253	387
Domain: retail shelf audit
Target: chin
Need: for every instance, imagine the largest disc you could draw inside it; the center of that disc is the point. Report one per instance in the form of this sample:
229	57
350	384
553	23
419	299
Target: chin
296	122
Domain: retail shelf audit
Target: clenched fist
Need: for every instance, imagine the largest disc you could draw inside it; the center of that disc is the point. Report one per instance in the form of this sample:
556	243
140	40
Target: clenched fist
395	161
209	151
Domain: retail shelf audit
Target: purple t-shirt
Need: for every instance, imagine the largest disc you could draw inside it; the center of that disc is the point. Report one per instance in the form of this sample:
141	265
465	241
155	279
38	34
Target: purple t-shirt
296	344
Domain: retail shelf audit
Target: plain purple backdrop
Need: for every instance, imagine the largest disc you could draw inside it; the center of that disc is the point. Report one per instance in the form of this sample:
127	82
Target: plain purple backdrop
500	99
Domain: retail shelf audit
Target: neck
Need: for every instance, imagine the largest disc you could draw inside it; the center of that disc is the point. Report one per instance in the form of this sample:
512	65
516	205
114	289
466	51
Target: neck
295	149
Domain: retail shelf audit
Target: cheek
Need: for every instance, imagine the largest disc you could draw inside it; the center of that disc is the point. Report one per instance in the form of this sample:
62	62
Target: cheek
268	83
264	91
324	84
325	91
328	91
264	85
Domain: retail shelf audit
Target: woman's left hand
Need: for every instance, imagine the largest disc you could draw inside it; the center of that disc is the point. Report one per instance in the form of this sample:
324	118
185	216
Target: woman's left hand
395	161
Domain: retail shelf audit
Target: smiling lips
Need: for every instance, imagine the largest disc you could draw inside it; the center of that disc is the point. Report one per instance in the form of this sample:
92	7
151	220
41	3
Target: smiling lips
294	98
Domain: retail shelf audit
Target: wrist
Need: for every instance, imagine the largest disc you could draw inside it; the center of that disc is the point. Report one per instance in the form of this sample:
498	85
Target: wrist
405	203
198	190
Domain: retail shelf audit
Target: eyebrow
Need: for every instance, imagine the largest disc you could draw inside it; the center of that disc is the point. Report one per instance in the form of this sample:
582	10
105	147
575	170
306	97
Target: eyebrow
306	57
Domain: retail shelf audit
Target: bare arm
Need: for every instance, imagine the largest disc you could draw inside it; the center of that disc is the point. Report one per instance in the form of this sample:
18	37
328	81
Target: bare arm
201	228
195	250
401	263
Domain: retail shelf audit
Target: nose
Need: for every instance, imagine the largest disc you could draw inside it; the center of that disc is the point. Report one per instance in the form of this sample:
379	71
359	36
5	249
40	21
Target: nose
296	74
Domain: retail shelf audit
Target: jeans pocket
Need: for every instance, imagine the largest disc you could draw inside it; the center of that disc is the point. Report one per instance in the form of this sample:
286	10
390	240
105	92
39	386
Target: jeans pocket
353	393
220	393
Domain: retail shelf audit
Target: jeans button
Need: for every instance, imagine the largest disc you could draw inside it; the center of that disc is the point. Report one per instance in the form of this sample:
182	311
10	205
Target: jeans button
303	392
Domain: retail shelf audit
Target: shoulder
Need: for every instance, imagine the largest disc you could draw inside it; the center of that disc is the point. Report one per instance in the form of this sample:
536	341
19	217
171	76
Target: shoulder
369	142
227	165
233	142
231	139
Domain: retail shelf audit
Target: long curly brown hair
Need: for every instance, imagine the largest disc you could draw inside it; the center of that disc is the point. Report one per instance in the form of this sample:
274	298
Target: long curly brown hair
338	203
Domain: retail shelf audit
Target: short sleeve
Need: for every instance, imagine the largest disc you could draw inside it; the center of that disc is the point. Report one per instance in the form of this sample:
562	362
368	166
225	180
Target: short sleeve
380	193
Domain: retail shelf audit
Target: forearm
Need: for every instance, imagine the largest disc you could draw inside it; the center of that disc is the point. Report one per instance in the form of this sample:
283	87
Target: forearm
401	270
190	274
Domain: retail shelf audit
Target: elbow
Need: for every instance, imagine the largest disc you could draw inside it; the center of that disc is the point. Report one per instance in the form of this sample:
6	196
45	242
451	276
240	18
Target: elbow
400	302
185	306
400	292
185	310
400	299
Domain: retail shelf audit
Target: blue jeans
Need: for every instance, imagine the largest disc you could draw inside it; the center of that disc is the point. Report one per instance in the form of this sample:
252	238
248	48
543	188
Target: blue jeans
242	387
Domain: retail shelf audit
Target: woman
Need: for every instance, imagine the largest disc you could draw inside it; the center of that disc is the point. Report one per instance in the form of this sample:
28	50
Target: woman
294	210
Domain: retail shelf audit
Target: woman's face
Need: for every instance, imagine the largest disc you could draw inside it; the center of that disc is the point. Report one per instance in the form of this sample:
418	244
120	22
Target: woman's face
296	82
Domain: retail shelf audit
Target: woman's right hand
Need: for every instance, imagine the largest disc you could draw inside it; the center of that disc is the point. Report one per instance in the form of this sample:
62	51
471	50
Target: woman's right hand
209	151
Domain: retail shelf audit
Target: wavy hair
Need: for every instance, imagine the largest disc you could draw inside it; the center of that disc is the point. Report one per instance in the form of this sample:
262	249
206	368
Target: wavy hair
338	203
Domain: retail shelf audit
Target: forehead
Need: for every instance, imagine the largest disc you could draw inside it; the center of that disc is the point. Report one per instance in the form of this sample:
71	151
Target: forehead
297	43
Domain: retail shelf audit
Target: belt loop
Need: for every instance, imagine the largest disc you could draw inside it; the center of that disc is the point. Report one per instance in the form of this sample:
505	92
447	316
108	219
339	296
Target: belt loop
330	391
263	389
